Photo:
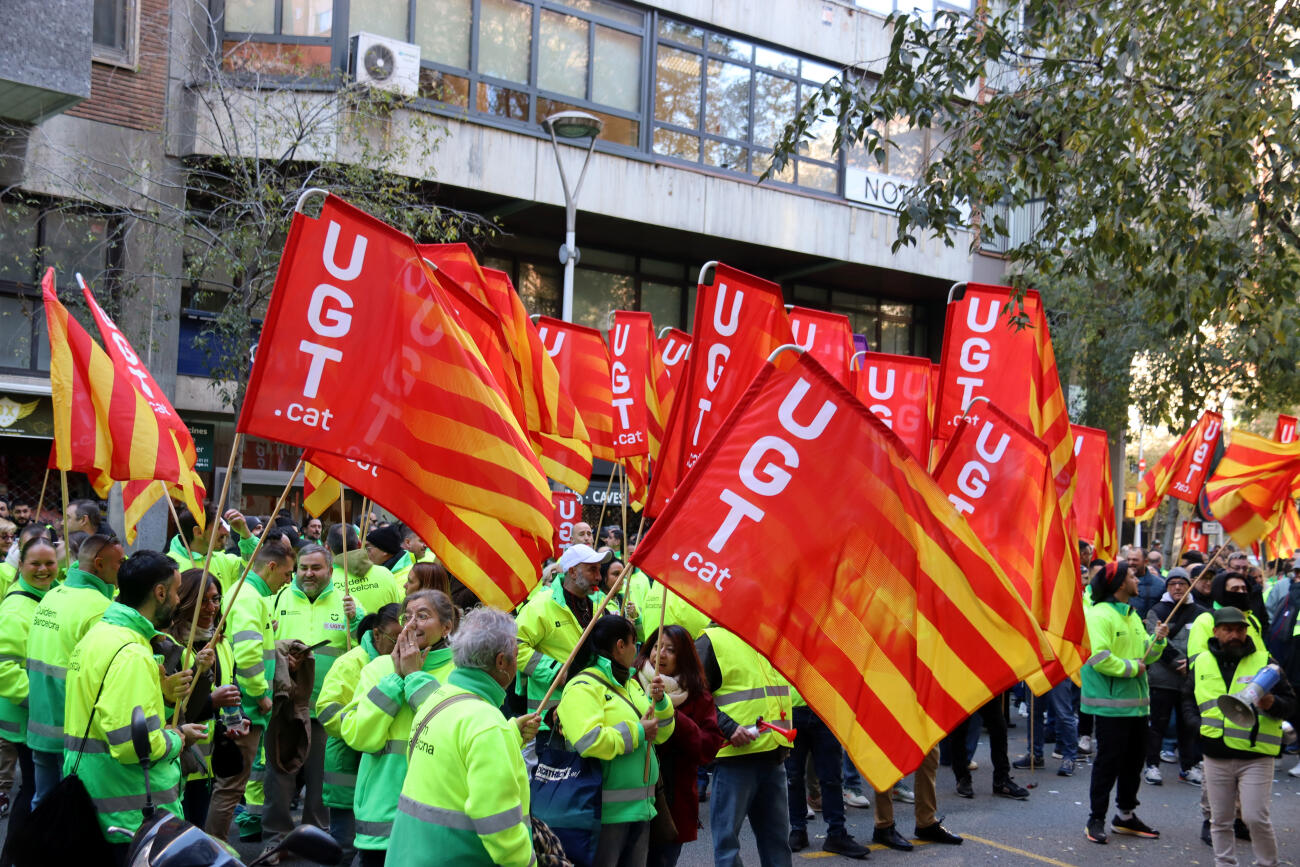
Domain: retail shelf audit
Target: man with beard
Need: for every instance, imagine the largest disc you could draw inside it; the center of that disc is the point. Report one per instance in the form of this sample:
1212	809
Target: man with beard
111	672
20	512
312	532
1238	759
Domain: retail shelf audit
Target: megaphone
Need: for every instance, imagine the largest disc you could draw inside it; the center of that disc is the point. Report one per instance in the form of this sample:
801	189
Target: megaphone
1239	707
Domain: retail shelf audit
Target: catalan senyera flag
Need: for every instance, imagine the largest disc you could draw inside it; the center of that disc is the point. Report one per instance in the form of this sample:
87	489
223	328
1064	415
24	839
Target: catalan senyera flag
580	355
320	490
1181	471
1284	541
998	475
368	361
828	336
638	417
1094	498
1252	485
499	563
896	627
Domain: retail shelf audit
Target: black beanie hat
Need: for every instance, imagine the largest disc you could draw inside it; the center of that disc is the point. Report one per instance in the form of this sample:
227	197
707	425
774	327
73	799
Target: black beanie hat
387	539
1108	580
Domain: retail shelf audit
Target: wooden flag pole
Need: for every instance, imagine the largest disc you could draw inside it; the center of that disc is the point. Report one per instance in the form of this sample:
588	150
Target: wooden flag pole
40	503
343	534
1179	603
659	643
67	554
564	669
608	485
622	495
365	519
176	519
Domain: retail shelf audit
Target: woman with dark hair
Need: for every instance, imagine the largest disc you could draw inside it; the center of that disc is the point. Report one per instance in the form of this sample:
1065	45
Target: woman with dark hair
695	740
377	722
211	690
376	637
606	715
434	576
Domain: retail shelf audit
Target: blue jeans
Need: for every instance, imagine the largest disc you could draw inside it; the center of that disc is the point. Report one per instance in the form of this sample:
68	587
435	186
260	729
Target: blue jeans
343	828
750	786
827	756
852	779
49	770
1060	704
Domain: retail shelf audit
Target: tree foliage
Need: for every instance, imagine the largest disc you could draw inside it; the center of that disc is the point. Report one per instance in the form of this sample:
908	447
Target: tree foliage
1156	139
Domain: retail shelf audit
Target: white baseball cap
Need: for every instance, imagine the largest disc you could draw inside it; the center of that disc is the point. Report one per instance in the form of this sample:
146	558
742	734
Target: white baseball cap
582	554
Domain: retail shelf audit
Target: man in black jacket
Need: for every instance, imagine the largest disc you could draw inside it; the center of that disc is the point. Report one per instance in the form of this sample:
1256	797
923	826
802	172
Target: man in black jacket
1167	677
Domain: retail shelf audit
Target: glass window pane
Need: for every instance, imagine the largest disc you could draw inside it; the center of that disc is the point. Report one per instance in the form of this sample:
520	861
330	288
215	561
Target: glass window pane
17	243
777	61
821	141
505	39
444	87
663	301
616	129
541	288
605	9
307	17
15	332
616	78
502	102
681	32
250	16
677	144
818	72
660	268
677	88
109	24
562	63
728	46
596	293
277	58
818	177
727	100
76	243
42	338
442	32
774	105
894	337
382	17
733	157
761	161
907	150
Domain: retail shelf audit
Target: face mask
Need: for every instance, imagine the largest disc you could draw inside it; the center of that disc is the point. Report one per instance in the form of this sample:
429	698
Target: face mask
1237	600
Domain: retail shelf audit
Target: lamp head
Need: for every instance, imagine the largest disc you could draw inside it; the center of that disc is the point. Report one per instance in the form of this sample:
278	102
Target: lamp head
573	125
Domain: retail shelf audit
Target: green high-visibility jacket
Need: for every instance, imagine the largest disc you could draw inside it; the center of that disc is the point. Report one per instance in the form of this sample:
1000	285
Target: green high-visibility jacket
311	622
602	719
374	590
16	610
227	567
404	564
465	799
1112	684
64	616
248	623
108	763
8	574
548	632
341	761
377	723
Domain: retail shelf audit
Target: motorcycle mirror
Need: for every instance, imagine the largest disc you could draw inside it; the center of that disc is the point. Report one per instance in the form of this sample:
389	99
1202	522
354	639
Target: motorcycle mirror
140	734
311	843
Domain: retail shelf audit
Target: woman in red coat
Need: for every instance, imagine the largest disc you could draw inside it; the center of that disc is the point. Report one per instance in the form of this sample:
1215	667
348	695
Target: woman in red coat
695	740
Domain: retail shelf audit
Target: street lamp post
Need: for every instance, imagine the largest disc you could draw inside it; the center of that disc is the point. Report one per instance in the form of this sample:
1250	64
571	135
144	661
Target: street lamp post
573	126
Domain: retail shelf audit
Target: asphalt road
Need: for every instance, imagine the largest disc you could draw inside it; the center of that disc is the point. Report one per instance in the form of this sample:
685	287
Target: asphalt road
1045	829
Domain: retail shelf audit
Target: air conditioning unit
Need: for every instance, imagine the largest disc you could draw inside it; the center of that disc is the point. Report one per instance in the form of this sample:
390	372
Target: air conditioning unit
385	63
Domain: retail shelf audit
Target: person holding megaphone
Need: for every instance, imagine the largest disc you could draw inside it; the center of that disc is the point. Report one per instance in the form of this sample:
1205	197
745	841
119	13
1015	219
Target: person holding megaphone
1243	697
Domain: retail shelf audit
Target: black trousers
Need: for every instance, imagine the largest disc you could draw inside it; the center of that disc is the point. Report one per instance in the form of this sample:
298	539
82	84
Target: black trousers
995	721
22	803
1165	702
1121	749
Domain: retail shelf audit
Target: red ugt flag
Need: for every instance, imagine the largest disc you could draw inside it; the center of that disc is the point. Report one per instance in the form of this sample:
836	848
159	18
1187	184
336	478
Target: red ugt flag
897	389
828	336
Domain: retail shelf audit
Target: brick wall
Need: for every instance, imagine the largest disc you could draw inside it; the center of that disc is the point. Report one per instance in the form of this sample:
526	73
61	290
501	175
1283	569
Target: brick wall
133	98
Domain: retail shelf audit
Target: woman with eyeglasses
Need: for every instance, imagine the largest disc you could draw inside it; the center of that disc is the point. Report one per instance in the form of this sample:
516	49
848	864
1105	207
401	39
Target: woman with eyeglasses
8	532
378	720
376	637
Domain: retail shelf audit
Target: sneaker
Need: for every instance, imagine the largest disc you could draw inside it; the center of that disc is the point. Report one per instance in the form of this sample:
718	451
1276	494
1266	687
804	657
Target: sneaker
1153	776
1085	745
1168	757
811	814
798	841
903	794
1191	775
1133	826
937	833
1022	710
1205	833
1023	763
856	799
1066	769
844	844
1294	772
973	766
1096	830
964	789
890	838
1240	831
1057	754
1008	789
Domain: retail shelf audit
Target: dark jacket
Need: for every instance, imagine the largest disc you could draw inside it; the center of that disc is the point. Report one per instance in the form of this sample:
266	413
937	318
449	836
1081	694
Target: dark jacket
1163	673
1150	588
1284	702
695	741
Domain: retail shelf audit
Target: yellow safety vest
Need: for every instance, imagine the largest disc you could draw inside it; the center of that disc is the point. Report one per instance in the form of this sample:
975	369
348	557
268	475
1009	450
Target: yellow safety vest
1267	738
750	689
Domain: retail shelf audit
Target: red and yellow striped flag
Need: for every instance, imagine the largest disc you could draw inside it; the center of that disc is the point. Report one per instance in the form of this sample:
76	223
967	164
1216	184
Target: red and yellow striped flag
320	490
581	357
1285	540
894	628
1252	485
1181	472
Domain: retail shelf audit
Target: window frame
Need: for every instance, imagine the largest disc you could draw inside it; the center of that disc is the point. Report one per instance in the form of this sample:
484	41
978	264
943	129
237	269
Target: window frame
127	57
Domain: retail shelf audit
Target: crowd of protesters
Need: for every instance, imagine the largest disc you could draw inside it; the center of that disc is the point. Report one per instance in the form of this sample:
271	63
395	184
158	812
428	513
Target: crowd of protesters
351	682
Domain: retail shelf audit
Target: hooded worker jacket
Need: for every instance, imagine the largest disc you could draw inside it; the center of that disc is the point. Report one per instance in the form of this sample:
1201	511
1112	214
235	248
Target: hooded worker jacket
108	763
1265	737
465	799
312	622
548	633
252	639
16	610
1113	684
602	719
377	723
751	688
61	619
226	567
341	761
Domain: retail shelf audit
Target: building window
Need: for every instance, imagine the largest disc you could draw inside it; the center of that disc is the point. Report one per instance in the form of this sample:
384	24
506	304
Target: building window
115	32
278	37
34	236
722	102
888	326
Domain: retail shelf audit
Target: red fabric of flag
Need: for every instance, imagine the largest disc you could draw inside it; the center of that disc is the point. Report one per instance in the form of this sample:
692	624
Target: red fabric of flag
828	336
1284	430
897	389
1194	538
1181	472
1252	485
1094	499
894	628
568	511
582	359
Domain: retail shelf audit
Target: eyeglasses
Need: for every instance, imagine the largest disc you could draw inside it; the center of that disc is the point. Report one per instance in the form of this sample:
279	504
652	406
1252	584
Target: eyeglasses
419	617
382	638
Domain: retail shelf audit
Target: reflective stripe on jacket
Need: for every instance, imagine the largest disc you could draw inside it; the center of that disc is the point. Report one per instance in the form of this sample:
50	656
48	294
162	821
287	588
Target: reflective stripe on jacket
465	800
341	761
16	610
1113	684
249	628
1265	737
751	688
548	632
